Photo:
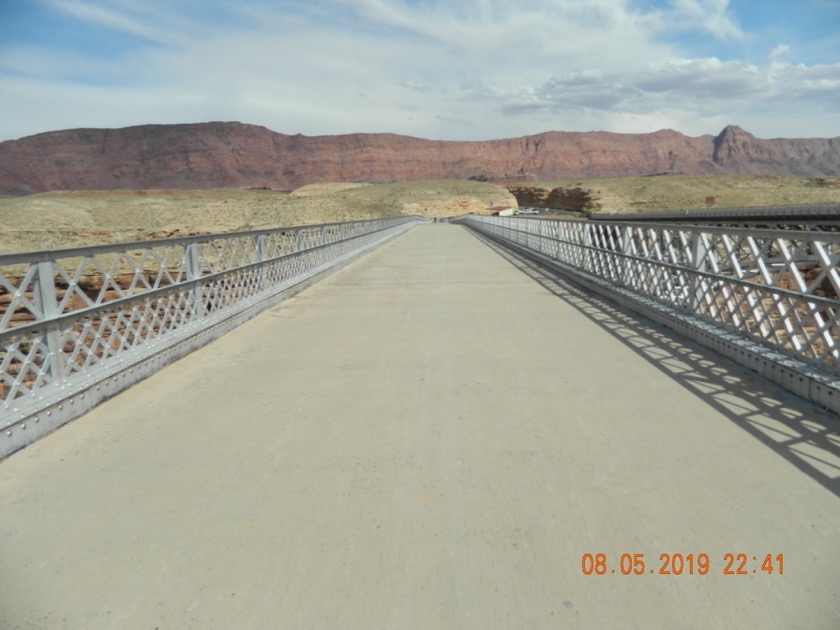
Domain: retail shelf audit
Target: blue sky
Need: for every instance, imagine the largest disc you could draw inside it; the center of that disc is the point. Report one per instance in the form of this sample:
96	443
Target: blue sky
465	70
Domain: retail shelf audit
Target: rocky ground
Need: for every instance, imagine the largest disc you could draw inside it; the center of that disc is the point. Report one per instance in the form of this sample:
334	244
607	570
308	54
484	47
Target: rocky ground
73	218
686	192
66	219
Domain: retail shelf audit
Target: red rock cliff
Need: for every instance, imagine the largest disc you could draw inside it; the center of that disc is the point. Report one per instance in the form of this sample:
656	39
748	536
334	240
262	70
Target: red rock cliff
234	154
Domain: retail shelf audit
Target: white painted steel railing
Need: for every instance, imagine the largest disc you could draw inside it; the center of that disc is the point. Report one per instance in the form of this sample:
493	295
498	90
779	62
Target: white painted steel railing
78	325
778	288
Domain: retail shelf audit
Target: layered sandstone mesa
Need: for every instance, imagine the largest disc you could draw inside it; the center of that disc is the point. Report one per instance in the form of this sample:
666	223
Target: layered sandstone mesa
739	152
212	155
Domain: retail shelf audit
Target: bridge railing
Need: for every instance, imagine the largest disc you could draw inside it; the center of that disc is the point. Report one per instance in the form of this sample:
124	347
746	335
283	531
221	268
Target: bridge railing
777	288
77	325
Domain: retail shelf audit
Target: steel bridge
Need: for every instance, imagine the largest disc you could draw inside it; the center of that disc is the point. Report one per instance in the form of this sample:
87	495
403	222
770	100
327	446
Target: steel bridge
496	423
820	217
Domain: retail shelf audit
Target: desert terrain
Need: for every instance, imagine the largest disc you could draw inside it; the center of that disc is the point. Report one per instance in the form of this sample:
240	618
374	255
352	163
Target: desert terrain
689	192
74	218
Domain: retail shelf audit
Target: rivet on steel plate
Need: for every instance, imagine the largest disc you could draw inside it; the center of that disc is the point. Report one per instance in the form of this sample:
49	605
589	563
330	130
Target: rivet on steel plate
9	433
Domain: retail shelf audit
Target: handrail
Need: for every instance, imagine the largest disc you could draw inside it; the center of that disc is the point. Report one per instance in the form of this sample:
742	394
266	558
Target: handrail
779	289
811	217
79	324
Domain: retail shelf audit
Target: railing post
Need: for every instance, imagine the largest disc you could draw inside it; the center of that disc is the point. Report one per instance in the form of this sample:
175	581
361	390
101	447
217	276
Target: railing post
47	301
199	309
626	244
699	263
557	236
262	256
586	261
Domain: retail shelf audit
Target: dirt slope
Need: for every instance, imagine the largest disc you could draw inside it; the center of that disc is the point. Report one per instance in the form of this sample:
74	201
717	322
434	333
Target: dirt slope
65	219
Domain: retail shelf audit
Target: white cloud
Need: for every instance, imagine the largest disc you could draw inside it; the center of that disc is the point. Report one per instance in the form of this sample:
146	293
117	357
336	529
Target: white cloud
710	16
108	18
779	51
686	94
704	79
468	70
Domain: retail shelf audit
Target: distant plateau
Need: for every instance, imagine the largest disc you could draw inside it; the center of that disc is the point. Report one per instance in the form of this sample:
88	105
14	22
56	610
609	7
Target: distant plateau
233	154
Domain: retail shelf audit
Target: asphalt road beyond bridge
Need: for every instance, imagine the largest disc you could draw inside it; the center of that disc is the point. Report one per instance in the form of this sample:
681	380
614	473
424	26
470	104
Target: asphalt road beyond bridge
440	435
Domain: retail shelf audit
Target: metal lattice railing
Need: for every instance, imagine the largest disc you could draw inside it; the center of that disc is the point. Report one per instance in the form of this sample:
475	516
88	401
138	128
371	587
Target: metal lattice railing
819	217
73	318
780	288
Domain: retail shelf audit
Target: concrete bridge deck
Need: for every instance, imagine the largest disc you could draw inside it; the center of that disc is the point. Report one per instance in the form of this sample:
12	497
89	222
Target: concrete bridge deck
432	437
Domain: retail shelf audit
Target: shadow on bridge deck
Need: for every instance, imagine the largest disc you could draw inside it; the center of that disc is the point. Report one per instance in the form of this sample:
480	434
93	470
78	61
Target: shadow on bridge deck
806	436
434	437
